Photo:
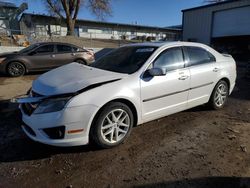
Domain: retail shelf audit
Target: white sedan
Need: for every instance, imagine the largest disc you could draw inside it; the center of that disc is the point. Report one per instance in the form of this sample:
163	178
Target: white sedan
75	104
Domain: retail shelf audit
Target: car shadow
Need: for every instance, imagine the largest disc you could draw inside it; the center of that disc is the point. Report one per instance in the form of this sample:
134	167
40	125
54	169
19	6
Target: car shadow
204	182
242	89
242	86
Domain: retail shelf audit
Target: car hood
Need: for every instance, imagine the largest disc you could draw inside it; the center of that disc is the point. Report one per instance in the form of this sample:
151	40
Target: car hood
7	54
71	78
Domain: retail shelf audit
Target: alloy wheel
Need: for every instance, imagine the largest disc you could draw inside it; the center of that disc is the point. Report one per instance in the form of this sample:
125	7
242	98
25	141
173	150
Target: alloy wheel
115	126
16	69
221	95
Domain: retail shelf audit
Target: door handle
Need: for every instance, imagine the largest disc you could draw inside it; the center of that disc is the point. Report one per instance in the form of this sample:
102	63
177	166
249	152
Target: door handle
184	77
73	54
53	56
216	69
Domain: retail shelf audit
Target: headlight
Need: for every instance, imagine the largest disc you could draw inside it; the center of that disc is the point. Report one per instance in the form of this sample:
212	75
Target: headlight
51	105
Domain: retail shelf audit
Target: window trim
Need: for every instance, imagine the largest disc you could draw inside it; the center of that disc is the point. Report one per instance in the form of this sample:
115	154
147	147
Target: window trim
63	52
187	57
45	53
180	47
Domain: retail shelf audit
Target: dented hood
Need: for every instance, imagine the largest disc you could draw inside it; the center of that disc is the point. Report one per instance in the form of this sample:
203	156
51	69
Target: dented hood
71	78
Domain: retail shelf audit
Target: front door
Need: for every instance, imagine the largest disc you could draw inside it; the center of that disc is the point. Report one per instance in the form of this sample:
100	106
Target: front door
42	58
164	95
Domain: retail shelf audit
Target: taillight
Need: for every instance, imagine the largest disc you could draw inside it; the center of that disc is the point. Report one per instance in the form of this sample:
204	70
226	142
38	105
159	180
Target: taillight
90	53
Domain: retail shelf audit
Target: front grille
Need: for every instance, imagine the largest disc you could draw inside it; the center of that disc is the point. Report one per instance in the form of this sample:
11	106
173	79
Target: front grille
34	94
55	132
29	108
28	129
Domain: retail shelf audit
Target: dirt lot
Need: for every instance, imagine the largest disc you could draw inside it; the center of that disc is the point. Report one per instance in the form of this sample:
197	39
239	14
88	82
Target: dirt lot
195	148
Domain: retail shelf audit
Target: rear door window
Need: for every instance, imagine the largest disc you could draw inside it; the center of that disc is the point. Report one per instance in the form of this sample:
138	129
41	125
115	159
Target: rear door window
63	48
78	49
198	56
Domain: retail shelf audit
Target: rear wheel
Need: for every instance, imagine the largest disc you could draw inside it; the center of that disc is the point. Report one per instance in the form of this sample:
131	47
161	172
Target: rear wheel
112	126
15	69
219	95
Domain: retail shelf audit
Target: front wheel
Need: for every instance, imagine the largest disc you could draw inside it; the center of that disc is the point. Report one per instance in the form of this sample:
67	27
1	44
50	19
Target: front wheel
15	69
219	95
112	125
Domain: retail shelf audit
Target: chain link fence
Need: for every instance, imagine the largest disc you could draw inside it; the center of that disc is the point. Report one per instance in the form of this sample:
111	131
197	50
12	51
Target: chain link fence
89	40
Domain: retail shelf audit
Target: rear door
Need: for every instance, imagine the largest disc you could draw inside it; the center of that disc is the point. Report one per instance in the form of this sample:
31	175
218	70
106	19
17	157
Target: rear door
42	58
164	95
204	73
64	54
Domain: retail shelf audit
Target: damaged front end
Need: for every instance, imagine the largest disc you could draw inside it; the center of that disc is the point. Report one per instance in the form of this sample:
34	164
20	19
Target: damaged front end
33	103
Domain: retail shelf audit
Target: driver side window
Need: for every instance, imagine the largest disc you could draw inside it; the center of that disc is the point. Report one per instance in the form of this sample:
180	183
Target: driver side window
170	59
45	49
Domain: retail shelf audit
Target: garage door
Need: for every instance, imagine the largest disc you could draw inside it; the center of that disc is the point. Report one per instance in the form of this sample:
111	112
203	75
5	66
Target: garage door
232	22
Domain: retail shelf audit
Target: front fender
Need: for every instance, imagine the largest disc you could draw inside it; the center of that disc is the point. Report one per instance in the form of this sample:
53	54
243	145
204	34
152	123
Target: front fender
102	95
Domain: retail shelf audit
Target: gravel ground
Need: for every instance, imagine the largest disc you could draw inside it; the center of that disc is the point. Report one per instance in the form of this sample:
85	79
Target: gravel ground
194	148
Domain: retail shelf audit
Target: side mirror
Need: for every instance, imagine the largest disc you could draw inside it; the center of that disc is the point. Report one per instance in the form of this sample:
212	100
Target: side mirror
157	72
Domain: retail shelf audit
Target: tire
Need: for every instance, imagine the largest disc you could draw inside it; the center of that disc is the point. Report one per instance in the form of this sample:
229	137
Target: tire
105	127
15	69
81	61
219	96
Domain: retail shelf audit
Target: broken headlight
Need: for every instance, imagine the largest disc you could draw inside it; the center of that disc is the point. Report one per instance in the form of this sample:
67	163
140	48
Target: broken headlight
51	105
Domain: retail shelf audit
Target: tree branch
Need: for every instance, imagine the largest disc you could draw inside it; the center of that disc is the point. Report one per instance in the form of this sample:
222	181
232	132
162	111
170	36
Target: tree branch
71	7
66	8
54	9
76	9
100	8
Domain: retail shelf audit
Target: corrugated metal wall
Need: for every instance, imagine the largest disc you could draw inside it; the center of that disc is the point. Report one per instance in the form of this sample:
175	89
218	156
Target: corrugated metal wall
235	22
198	23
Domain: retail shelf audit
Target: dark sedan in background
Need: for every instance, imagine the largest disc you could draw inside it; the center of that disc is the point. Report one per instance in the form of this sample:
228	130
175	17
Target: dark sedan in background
43	56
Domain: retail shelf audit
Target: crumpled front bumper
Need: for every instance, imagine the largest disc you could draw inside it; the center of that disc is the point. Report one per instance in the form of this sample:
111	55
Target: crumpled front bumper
73	118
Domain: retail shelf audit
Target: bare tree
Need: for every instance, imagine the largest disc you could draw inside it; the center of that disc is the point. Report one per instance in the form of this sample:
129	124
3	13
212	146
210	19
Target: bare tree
68	10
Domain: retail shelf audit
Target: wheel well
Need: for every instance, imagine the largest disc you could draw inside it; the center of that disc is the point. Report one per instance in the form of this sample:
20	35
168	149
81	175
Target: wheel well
124	101
227	81
26	70
81	60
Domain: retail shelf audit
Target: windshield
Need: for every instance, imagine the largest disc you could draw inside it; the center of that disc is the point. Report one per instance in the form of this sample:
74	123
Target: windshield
25	50
125	60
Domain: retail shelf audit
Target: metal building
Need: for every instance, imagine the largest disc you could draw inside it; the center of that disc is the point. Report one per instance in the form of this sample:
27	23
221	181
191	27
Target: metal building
9	14
224	25
43	25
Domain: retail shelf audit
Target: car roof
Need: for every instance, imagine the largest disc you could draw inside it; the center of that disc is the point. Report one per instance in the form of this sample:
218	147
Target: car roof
63	43
172	43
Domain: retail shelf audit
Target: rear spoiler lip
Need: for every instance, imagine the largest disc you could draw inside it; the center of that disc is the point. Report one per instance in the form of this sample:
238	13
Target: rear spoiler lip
226	55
